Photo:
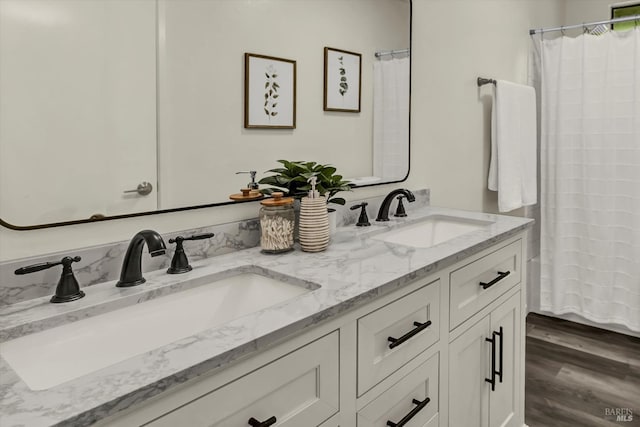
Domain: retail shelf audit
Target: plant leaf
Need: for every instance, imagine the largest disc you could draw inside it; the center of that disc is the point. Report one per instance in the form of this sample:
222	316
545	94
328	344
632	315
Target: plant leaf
275	113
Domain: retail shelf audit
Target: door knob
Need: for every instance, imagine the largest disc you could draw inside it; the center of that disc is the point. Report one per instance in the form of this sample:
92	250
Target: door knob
143	189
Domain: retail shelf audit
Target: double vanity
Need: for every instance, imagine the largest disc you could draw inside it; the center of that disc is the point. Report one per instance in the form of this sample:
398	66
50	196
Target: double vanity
416	321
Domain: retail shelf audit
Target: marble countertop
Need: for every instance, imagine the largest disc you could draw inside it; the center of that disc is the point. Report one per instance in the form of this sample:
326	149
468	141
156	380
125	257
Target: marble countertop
353	271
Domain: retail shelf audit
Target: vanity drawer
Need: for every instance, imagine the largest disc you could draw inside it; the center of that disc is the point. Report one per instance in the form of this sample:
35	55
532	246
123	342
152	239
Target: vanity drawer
479	283
413	321
298	389
397	402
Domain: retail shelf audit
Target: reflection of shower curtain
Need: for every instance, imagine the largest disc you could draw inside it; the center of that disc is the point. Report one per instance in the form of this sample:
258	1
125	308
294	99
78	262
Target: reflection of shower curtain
391	118
590	171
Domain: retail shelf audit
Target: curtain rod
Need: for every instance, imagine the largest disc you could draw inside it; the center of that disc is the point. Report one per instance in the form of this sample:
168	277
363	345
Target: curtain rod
391	52
588	24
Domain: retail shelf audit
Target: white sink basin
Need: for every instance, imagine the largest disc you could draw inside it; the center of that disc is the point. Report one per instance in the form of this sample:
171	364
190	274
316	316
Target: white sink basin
51	357
432	231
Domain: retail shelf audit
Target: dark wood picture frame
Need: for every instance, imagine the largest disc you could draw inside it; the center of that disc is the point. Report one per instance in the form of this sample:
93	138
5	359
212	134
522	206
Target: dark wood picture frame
269	92
341	67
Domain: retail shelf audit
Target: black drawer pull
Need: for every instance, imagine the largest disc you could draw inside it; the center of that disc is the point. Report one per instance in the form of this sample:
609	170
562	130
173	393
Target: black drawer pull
501	275
419	327
500	352
255	423
492	381
411	414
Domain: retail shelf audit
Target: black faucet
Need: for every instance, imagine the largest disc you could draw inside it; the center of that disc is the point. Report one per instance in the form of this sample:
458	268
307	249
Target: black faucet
131	274
68	288
383	213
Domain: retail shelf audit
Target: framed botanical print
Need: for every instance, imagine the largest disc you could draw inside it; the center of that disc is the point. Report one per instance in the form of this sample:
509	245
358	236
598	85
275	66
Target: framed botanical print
342	80
269	92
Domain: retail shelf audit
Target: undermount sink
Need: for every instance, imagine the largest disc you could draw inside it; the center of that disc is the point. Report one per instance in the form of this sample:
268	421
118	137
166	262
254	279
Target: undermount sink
432	230
51	357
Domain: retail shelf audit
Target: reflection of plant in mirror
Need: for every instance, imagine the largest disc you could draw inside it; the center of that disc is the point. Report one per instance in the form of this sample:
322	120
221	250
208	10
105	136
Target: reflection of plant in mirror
271	92
293	176
344	87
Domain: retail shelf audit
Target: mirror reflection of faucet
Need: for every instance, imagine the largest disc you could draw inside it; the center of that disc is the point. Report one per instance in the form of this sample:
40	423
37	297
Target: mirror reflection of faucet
179	262
68	288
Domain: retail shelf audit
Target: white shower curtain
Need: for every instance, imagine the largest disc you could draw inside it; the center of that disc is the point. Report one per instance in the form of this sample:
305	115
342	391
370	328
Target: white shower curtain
590	177
391	118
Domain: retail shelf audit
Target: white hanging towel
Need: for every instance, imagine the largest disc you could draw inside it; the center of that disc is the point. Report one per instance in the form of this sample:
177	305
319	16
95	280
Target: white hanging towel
512	168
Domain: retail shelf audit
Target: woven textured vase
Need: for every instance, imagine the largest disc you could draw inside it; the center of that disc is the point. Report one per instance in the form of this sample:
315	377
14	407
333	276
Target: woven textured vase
314	224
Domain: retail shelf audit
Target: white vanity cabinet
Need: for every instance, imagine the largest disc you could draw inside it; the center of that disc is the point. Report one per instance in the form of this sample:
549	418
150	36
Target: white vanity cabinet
488	351
416	357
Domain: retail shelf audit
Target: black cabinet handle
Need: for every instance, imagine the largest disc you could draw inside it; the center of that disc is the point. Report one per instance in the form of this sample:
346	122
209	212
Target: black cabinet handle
419	327
255	423
501	275
411	414
500	351
492	381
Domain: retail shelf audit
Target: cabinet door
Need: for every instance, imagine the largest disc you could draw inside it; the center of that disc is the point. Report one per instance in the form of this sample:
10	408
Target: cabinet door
504	400
299	389
469	365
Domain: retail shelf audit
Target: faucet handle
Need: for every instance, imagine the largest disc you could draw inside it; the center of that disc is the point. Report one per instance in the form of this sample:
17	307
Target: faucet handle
179	262
363	221
45	265
400	212
68	288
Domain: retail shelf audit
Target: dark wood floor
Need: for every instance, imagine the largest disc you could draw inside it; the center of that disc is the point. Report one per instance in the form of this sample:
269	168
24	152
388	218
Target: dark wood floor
578	376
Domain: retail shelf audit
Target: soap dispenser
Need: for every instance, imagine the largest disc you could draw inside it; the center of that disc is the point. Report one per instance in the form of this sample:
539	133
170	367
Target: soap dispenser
314	220
251	192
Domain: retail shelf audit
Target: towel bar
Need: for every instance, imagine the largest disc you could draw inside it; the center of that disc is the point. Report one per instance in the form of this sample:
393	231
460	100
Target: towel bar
482	81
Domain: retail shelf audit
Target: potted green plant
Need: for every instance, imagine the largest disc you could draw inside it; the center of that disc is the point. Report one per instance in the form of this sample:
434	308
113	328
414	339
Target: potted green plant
293	177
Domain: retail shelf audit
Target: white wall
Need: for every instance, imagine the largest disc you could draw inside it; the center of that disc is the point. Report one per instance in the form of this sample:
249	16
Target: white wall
454	42
579	11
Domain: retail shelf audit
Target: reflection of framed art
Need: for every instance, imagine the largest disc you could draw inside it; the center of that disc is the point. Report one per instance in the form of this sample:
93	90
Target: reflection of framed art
269	92
342	73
